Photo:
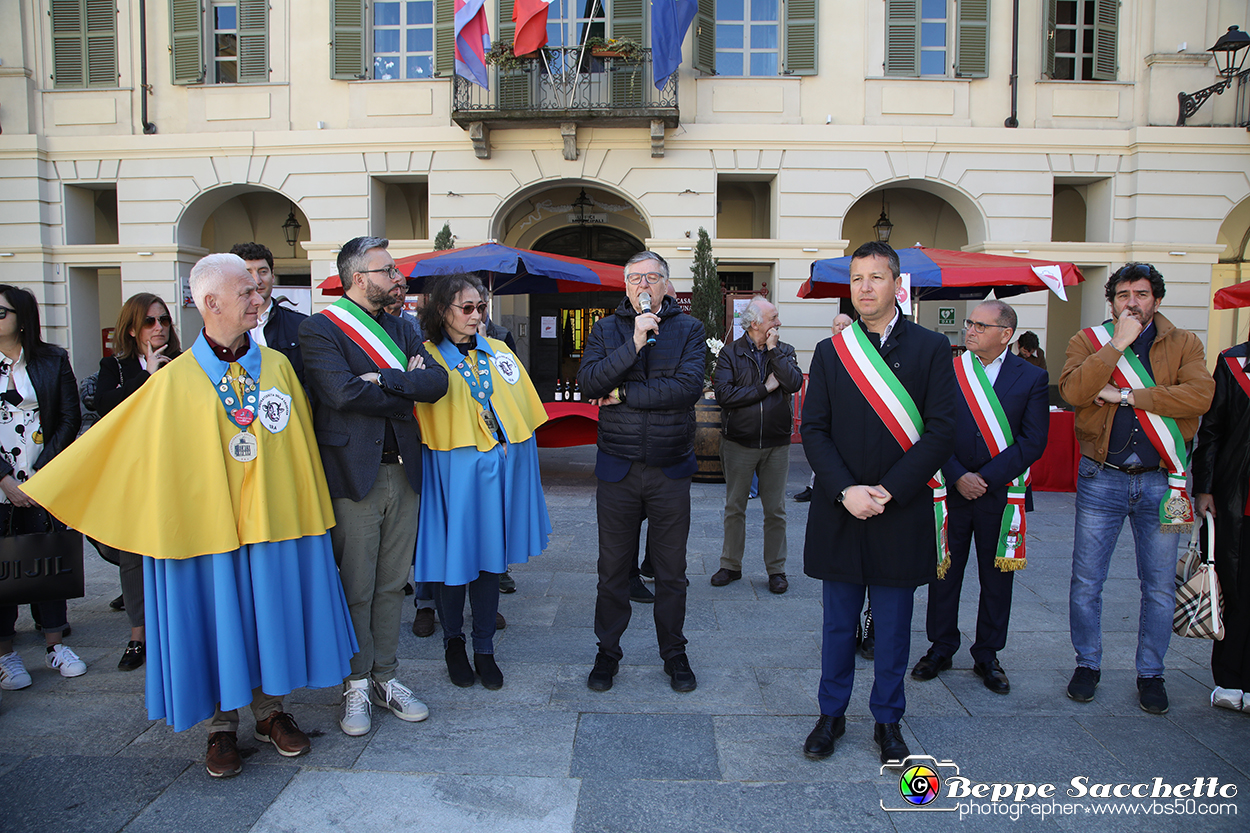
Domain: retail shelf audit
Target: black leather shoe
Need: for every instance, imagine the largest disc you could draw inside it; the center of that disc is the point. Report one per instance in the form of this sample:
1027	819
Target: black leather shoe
930	665
488	670
722	577
819	744
804	496
678	668
638	591
458	667
133	656
992	674
889	738
777	583
601	675
119	603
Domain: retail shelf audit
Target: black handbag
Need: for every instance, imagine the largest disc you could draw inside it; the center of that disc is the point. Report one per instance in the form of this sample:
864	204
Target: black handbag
41	566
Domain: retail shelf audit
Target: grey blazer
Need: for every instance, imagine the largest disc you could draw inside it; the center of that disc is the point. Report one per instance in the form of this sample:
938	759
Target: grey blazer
350	414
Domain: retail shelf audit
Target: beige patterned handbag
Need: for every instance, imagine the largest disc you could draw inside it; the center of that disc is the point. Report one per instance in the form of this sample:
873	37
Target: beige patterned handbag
1199	605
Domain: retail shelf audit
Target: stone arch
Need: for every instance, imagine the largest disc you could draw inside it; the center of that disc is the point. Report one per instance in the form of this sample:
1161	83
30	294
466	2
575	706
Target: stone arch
263	210
959	221
535	211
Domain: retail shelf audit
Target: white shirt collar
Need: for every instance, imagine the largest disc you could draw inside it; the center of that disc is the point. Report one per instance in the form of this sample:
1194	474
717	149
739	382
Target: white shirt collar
991	369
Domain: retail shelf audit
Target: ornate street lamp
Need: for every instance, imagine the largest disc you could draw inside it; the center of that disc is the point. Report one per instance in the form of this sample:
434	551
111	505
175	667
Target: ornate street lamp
291	229
581	204
1226	48
883	227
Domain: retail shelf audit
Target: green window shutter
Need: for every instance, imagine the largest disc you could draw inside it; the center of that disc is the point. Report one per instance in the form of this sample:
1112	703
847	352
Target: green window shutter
627	85
186	41
1052	15
626	20
444	38
972	44
514	90
902	37
253	41
507	29
101	43
347	40
1106	22
801	37
67	44
704	26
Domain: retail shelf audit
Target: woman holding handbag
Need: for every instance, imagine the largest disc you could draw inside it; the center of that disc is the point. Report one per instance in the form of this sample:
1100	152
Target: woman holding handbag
1221	469
39	417
144	341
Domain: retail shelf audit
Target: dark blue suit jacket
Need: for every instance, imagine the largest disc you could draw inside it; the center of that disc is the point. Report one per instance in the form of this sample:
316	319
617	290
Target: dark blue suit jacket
1022	391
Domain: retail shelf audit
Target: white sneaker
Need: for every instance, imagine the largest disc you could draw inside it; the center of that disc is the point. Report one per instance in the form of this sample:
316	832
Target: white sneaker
13	673
1227	698
397	697
1245	703
356	719
62	657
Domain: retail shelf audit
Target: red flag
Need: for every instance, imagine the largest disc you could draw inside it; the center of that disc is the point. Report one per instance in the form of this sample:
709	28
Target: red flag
530	17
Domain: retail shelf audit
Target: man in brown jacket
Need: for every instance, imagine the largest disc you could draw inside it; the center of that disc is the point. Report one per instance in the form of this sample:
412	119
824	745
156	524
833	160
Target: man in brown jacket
1139	384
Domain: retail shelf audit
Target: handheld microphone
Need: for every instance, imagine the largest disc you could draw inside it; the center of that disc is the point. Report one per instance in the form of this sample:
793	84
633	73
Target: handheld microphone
644	301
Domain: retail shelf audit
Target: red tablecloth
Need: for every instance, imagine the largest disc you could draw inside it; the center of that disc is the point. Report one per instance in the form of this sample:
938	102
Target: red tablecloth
569	423
1056	471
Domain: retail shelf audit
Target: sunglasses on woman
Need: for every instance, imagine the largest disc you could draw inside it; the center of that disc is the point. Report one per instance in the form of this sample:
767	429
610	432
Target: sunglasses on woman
165	320
468	309
4	312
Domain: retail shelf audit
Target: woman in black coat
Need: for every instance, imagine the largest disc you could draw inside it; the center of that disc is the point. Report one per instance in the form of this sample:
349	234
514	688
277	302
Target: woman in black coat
39	418
1221	469
144	340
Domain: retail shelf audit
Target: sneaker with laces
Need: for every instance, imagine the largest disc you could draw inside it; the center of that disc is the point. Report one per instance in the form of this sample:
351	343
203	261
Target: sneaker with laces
1227	698
62	657
13	673
284	733
222	758
1152	695
1084	683
397	697
356	719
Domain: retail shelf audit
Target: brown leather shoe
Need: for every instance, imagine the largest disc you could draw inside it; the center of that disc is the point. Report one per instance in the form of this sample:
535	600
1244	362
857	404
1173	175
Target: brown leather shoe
722	577
222	759
423	622
777	583
280	729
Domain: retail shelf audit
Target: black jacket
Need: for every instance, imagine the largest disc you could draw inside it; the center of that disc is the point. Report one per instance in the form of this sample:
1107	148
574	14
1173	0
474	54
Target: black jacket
57	394
282	334
749	414
654	423
117	379
847	444
1221	464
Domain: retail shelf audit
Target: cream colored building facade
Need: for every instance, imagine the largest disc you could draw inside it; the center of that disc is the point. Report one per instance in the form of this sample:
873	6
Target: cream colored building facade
781	168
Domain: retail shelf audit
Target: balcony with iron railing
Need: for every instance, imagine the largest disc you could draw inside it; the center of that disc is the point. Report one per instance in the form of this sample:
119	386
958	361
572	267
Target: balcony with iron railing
568	84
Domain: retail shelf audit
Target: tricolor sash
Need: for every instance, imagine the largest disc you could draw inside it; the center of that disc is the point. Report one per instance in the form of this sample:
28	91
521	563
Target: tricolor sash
1239	372
894	405
367	334
1176	513
990	418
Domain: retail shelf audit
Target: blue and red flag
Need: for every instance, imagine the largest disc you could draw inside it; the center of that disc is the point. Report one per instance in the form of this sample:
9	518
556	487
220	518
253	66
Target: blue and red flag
670	20
530	17
472	41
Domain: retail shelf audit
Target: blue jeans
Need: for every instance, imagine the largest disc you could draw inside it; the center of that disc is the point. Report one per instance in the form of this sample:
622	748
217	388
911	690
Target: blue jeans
483	594
1104	498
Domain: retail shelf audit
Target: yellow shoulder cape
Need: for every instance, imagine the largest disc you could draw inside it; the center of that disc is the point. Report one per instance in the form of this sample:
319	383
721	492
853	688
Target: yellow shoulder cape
455	421
153	477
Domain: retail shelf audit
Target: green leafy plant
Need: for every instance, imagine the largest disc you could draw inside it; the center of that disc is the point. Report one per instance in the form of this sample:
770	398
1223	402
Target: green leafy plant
627	49
500	54
444	240
707	299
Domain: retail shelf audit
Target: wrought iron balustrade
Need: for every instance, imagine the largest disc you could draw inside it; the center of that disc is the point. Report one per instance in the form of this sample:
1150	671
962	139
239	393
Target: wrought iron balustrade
568	83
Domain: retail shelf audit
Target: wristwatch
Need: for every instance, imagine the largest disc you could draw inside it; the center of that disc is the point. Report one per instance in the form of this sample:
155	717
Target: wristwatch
1124	392
842	494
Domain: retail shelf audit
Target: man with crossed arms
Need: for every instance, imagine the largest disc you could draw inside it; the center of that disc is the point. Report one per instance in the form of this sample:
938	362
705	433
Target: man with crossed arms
878	423
1000	430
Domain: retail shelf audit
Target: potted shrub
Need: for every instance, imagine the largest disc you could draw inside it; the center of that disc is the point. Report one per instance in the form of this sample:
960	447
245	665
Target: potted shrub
626	49
707	303
501	55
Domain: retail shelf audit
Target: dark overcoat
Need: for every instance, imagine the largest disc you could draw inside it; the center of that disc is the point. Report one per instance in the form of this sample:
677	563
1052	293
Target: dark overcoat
847	444
1221	464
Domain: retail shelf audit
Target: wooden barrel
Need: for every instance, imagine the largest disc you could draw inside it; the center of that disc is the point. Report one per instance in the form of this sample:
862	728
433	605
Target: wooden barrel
707	442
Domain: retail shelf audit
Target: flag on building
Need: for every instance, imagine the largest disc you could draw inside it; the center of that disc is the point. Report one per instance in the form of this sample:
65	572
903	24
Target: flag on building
670	20
472	40
530	17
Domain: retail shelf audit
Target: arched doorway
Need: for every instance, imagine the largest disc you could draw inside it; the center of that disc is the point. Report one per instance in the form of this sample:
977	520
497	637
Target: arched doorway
607	245
1228	327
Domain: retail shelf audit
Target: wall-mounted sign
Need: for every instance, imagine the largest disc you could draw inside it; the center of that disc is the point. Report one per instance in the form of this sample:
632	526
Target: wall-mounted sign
548	324
946	316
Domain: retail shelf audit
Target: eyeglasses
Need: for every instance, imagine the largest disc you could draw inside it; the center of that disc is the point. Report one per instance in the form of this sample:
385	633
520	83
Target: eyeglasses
979	328
165	320
652	278
4	312
468	309
391	272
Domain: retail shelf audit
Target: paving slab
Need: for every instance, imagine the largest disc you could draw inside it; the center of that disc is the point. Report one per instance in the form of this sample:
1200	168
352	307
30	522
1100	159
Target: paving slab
653	746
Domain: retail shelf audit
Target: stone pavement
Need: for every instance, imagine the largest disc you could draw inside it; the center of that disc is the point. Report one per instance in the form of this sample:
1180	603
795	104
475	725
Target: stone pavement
547	754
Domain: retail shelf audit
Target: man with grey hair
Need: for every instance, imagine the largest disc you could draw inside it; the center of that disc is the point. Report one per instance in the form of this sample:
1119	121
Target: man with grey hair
367	368
756	376
244	604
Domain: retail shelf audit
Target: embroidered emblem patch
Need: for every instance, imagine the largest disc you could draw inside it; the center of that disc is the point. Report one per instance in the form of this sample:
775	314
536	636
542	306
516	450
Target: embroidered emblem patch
275	410
508	368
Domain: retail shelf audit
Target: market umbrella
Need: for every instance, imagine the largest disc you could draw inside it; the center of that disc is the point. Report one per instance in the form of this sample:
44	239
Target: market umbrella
505	270
944	275
1233	297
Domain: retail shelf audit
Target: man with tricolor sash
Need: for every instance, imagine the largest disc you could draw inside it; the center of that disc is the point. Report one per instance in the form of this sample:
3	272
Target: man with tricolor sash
878	423
1000	431
366	369
1139	384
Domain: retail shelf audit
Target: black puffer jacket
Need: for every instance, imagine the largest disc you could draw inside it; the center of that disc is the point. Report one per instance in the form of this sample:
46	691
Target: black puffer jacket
654	424
750	415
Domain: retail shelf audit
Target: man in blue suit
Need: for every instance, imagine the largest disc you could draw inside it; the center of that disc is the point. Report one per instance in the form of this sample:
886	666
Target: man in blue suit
977	482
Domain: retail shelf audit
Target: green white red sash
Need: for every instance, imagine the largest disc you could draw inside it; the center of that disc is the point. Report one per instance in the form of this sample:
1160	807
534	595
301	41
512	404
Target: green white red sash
1176	513
367	334
894	405
988	414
